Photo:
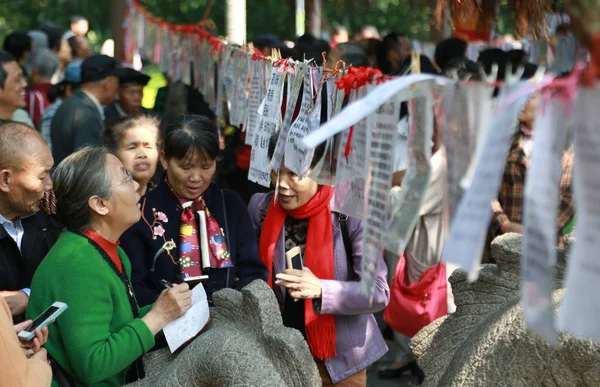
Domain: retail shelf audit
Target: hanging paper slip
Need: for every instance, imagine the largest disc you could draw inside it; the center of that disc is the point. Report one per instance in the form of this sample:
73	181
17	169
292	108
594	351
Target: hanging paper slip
270	120
221	80
296	155
381	140
241	98
458	140
541	201
302	72
350	179
416	179
323	173
361	108
480	119
257	92
580	313
468	231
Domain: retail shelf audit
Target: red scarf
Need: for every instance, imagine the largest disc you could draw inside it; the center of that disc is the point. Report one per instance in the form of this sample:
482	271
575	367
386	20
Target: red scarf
320	329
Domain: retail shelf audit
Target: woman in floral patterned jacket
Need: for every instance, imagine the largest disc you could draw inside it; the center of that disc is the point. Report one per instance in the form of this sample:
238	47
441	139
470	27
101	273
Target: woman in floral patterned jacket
170	243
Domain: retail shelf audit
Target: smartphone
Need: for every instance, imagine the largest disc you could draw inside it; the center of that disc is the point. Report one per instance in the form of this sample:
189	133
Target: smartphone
294	258
43	320
193	281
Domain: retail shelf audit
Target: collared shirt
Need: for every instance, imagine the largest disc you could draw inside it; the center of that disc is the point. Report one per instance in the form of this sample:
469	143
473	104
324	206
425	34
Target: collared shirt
14	229
96	102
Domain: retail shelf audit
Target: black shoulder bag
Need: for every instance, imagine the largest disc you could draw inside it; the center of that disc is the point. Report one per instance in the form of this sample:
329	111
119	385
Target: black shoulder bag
59	375
347	242
226	234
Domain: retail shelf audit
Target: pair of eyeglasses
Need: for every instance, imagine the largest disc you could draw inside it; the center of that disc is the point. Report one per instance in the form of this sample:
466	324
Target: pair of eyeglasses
128	179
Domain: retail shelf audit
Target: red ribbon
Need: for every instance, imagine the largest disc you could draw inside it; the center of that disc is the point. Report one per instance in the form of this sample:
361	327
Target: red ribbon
356	77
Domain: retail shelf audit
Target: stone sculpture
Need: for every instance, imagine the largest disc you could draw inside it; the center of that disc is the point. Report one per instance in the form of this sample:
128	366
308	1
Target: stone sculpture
245	344
486	343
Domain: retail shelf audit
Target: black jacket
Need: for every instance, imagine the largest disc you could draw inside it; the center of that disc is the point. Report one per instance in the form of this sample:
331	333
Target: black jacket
140	246
77	123
17	268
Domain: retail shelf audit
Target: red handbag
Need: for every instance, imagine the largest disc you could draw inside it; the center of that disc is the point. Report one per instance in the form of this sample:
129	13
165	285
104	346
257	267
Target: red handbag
414	306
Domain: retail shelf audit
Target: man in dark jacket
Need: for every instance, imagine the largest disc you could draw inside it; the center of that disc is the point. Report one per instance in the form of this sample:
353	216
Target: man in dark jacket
131	92
79	121
26	234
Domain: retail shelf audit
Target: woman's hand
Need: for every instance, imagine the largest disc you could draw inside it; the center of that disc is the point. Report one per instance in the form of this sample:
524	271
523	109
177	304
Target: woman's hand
301	284
34	346
171	304
41	355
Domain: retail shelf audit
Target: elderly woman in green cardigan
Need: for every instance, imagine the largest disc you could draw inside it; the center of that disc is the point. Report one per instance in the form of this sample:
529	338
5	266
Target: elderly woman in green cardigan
100	338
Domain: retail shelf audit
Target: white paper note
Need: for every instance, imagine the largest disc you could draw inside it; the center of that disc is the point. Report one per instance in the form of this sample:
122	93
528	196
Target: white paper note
361	108
270	120
294	85
350	179
257	94
540	207
185	328
416	179
295	154
381	141
580	311
468	231
458	139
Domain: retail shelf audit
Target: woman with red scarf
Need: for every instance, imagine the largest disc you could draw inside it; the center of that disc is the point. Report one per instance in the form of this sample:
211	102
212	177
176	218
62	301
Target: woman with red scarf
336	320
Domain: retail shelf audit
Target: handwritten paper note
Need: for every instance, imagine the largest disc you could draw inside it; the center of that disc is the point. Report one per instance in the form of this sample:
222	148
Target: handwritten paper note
416	179
185	328
324	172
457	140
257	94
465	244
270	120
541	201
294	87
295	154
580	313
480	117
221	81
381	140
361	108
350	179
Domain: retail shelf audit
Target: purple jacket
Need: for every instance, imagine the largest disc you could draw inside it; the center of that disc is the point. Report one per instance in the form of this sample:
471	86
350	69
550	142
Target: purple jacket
358	340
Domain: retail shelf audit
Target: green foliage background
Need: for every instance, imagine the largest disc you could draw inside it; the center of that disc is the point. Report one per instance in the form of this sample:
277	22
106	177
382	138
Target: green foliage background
411	17
263	16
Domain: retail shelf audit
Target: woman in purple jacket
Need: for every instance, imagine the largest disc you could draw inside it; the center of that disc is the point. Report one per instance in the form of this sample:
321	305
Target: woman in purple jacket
336	320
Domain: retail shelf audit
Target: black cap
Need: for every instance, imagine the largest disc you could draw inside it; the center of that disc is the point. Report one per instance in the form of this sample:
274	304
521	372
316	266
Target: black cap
130	77
98	67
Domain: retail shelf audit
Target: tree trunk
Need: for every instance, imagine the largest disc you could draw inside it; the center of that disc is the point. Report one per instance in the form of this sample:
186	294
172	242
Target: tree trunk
235	20
117	16
300	17
313	17
441	21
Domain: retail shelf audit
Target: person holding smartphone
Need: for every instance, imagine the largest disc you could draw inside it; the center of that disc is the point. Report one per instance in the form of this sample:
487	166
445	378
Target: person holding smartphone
101	336
321	297
23	363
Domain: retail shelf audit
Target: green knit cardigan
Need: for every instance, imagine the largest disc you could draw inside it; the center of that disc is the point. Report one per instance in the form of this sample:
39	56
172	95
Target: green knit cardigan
96	339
